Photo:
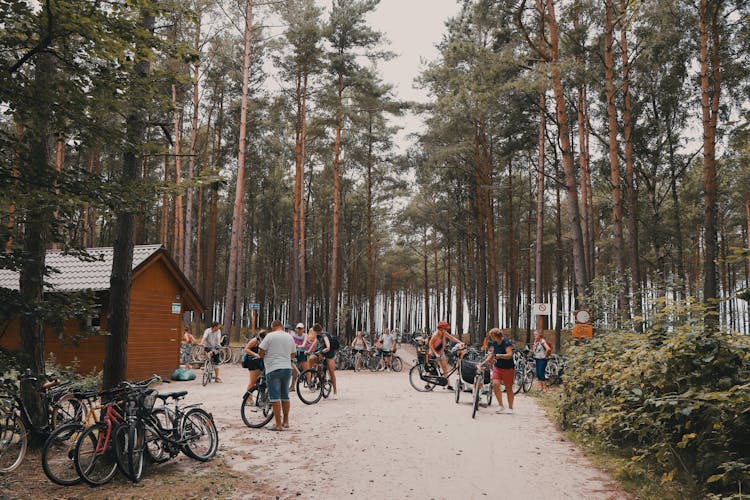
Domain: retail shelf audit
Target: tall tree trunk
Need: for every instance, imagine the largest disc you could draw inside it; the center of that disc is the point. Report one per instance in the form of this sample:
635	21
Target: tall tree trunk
35	162
179	223
370	242
164	229
632	203
213	209
188	244
710	39
118	316
614	158
489	225
235	245
560	280
334	285
11	225
298	296
539	246
571	184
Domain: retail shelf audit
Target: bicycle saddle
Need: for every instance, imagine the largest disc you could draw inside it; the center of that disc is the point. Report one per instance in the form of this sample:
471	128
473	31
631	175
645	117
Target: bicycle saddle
175	395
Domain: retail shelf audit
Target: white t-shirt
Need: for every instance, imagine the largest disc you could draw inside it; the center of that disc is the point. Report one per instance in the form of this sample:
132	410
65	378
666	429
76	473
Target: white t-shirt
388	340
211	339
278	346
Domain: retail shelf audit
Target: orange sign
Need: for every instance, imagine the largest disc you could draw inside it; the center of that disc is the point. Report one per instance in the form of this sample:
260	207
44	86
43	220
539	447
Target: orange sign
581	330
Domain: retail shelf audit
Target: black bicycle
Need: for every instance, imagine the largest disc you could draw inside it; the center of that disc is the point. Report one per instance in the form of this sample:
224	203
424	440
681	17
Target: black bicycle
425	374
314	383
257	409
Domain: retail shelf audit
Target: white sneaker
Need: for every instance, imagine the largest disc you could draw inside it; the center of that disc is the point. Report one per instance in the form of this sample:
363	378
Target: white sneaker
509	411
501	410
335	396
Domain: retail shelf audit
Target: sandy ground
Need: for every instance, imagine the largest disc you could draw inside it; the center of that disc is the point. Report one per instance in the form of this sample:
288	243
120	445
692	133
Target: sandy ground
382	438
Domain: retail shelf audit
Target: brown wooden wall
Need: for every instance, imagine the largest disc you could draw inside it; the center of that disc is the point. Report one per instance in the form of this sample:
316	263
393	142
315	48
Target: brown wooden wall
154	333
153	336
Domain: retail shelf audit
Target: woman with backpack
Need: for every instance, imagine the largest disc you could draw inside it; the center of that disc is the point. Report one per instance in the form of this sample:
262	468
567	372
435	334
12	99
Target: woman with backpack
327	351
541	350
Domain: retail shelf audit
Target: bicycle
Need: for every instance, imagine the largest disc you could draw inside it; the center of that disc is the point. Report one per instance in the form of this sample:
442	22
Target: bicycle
362	359
425	374
208	370
480	386
467	378
555	369
256	409
16	422
377	362
314	383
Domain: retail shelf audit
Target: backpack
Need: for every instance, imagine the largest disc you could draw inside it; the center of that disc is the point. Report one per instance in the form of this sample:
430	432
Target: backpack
335	342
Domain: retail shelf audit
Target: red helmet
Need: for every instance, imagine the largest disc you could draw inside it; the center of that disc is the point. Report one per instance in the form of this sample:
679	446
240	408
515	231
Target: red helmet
442	325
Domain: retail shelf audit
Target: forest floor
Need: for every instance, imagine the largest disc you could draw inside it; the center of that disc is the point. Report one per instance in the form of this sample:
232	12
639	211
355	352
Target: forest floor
380	439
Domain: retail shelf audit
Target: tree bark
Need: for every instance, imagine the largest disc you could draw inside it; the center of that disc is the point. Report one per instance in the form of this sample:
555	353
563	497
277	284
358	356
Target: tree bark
235	246
188	244
179	223
571	185
632	203
118	316
539	246
334	285
614	158
710	39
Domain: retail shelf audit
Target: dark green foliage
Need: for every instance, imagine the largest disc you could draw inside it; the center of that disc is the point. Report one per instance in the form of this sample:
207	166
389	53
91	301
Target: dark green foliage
675	398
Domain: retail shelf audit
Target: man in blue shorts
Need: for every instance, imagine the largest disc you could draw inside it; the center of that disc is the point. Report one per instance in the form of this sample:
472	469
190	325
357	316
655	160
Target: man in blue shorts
278	350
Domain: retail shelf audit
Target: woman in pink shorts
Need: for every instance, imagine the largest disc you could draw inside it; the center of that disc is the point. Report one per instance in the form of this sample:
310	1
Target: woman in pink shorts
500	353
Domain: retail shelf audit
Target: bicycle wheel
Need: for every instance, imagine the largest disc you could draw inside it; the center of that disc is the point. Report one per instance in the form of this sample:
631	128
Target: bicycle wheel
415	379
488	394
309	386
57	455
396	364
358	362
66	410
327	385
208	371
129	444
13	442
198	354
517	381
458	388
551	372
95	455
375	363
477	396
256	409
199	432
528	379
161	422
225	355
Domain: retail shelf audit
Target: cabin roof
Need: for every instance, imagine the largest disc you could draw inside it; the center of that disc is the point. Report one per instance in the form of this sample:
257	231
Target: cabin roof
71	273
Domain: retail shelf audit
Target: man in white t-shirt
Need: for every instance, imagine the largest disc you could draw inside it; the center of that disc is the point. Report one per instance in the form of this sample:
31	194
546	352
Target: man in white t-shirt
211	342
388	343
278	350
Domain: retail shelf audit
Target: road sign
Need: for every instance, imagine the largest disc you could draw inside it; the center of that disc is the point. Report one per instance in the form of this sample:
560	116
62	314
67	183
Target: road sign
583	331
254	307
176	307
541	310
582	316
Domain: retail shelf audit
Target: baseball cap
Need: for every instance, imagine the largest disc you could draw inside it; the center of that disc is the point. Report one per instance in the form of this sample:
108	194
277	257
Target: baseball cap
300	325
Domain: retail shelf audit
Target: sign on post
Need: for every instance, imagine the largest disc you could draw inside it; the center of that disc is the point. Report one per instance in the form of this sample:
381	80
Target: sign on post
541	309
254	307
176	307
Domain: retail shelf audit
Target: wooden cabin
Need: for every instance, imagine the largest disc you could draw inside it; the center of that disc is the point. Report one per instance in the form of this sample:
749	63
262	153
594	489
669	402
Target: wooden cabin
159	296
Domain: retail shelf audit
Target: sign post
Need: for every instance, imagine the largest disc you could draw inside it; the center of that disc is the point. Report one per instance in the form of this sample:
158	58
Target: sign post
254	308
540	310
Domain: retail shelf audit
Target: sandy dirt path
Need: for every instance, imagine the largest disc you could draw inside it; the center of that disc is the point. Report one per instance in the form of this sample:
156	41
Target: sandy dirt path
382	438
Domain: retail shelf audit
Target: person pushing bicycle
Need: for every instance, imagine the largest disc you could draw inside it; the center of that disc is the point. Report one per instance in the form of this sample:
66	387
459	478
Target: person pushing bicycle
437	344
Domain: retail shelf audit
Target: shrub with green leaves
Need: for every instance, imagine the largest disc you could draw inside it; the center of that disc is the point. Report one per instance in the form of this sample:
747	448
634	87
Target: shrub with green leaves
674	396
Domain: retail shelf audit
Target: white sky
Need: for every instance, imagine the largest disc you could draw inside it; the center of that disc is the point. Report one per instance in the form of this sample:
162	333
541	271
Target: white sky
413	27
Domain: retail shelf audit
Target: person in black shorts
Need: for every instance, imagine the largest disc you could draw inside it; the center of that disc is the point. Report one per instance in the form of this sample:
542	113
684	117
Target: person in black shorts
325	350
252	359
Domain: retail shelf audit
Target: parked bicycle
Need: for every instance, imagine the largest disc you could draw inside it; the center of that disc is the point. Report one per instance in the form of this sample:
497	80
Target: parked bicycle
481	386
377	362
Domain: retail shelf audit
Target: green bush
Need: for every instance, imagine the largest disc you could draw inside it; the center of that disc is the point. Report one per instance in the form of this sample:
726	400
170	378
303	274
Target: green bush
674	397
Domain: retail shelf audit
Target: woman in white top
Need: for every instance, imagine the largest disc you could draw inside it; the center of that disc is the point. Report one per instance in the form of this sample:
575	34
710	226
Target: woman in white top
541	350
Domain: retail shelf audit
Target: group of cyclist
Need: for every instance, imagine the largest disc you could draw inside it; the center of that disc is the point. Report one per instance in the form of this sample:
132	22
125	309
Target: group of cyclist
387	344
499	354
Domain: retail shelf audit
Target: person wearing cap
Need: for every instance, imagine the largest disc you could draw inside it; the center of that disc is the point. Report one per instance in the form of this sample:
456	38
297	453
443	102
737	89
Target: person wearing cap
437	345
298	335
211	341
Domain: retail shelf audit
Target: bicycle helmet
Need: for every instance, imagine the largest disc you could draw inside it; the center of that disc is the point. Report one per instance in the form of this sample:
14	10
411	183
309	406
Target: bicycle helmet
442	325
